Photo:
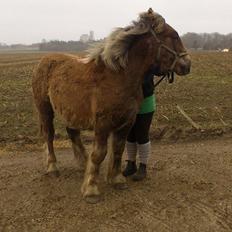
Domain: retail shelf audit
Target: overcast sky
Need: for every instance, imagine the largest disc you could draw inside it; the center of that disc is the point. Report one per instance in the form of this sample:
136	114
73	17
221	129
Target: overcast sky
29	21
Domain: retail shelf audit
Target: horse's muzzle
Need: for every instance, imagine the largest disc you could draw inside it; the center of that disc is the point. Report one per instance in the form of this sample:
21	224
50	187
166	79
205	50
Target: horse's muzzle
183	67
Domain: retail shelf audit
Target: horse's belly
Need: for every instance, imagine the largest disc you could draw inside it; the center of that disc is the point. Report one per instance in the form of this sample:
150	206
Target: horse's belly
75	111
74	117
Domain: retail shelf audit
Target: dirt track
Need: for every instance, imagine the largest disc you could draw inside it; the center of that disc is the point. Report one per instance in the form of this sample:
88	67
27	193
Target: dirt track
189	189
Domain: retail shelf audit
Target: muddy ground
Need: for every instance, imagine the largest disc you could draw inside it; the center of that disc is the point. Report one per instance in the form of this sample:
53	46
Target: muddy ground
189	188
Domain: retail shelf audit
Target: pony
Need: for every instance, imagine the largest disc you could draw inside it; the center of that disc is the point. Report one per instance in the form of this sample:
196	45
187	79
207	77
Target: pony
103	91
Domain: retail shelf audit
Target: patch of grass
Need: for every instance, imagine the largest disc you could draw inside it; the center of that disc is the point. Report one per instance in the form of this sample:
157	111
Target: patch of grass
16	109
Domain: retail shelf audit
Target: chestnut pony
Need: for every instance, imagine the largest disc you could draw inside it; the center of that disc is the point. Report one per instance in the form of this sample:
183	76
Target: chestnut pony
103	91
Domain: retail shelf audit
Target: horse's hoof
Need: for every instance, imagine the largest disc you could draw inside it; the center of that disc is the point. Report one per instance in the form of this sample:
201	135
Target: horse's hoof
120	186
53	170
53	173
94	199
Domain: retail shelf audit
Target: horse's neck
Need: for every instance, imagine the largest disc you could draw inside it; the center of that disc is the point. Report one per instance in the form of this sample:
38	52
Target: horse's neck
139	61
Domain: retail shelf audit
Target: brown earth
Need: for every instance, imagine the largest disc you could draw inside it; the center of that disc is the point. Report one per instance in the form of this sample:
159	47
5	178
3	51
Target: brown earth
189	188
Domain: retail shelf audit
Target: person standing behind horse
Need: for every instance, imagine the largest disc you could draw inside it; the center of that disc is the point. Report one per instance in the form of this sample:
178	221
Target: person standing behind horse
138	138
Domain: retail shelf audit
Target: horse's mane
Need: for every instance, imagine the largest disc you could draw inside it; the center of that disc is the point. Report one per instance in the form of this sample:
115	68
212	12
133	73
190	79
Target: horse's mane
113	51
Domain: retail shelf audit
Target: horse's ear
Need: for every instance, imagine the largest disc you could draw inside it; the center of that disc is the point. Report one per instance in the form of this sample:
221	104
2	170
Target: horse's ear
150	11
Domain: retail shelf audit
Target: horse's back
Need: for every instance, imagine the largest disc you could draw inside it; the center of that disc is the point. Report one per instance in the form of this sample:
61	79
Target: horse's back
53	65
62	81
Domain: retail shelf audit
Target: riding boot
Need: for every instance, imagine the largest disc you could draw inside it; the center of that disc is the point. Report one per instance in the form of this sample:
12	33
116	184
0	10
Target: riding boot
130	169
141	173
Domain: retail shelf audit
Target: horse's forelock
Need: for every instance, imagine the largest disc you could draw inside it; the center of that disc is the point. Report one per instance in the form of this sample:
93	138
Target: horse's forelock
155	20
159	26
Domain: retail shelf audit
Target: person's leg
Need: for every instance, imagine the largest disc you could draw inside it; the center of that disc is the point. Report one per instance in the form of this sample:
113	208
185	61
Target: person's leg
143	143
131	151
131	146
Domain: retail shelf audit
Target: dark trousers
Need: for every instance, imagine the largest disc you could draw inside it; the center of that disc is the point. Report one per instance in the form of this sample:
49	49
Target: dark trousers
139	133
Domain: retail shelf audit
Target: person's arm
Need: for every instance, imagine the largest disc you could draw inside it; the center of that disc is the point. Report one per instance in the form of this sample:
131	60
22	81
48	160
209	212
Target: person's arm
148	84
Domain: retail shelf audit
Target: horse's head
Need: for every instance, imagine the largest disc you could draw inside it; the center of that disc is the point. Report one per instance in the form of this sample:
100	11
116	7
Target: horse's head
168	52
148	37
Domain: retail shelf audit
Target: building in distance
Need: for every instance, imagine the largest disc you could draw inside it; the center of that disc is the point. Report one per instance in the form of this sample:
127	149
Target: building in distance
87	37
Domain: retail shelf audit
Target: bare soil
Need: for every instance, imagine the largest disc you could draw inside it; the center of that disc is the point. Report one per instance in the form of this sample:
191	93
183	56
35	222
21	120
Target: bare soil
189	188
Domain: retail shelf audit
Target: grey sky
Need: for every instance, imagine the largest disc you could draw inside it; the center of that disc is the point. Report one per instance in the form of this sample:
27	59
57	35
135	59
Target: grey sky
28	21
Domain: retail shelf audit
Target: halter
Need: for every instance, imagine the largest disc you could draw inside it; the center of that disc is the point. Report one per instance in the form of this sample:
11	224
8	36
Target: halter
176	55
170	74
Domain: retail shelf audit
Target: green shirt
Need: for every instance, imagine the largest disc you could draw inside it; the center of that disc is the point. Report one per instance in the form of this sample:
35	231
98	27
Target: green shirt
148	105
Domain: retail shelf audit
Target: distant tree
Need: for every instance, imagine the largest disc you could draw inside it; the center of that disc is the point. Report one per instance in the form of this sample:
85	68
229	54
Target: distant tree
57	45
195	44
207	41
43	41
3	46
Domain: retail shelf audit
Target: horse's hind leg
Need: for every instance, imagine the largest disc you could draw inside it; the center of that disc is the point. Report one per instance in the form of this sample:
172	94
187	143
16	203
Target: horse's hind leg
46	116
78	147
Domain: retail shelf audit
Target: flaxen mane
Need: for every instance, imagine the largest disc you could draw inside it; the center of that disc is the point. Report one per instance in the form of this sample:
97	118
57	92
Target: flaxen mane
114	50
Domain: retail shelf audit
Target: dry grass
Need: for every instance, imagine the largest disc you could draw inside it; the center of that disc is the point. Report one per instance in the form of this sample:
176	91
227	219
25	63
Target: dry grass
205	95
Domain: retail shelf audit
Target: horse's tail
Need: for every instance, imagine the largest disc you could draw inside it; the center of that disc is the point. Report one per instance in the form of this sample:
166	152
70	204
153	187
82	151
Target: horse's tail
40	90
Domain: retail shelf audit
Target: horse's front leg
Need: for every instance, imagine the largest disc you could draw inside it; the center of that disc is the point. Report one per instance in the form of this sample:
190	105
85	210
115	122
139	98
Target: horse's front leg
90	189
114	175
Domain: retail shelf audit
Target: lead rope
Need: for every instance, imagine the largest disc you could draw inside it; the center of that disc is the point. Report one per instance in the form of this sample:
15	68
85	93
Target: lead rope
169	76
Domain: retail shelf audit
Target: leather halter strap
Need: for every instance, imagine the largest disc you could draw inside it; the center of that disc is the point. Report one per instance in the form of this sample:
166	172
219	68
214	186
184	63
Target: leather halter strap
162	45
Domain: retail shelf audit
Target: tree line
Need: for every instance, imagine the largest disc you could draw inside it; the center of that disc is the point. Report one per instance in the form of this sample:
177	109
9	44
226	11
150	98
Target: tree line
207	41
196	41
57	45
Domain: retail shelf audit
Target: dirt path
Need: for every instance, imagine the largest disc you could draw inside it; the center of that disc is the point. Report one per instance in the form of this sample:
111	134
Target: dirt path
189	189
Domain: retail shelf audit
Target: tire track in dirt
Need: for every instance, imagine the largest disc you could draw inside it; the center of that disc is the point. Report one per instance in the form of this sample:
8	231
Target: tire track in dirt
215	215
145	211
